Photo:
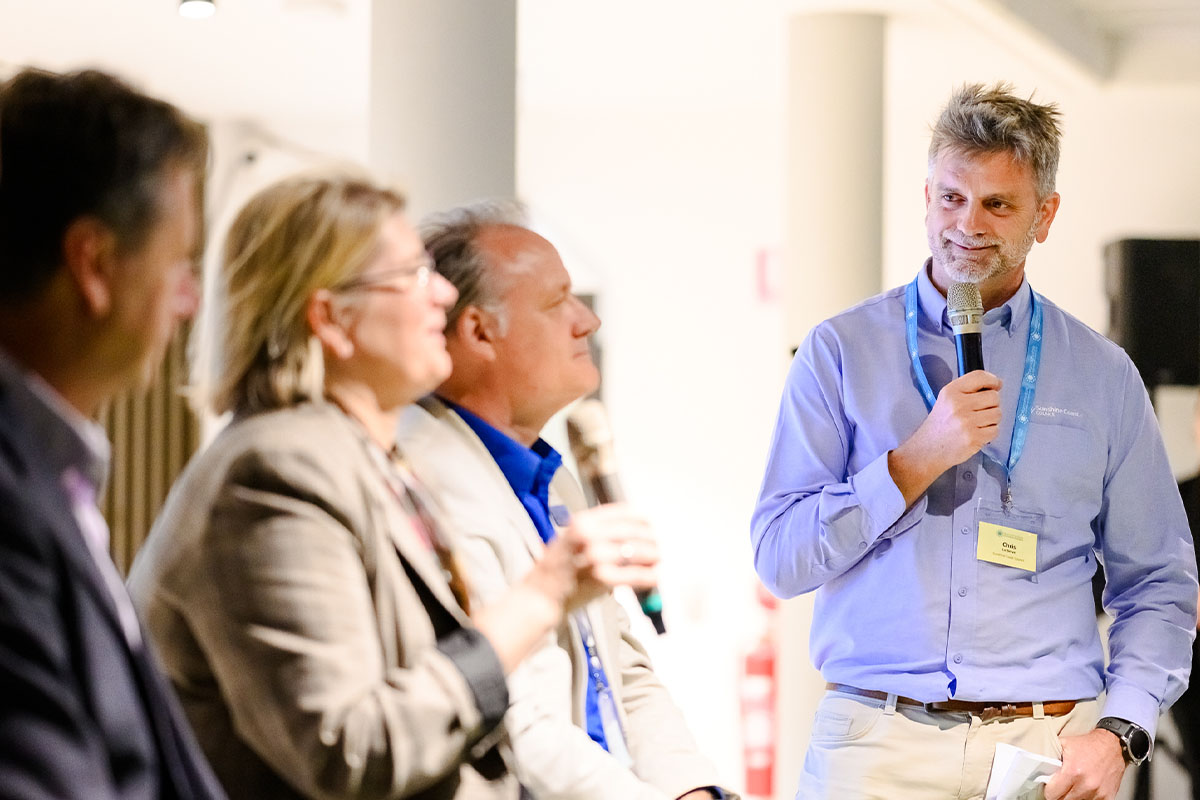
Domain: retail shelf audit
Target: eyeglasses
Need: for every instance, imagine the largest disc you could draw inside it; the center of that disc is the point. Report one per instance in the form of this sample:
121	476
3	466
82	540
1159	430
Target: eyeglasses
414	275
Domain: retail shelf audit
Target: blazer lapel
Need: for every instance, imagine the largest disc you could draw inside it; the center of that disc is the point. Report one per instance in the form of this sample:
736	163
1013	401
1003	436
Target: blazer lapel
494	489
566	493
414	550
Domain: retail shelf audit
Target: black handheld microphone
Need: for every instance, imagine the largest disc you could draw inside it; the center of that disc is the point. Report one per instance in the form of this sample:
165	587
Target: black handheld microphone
964	306
591	441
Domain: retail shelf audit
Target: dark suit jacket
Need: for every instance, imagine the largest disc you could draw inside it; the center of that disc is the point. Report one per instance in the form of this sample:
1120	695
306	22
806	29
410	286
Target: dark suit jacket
81	713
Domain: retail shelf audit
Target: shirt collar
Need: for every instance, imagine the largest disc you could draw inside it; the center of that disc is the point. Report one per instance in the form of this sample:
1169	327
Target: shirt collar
934	315
528	470
67	439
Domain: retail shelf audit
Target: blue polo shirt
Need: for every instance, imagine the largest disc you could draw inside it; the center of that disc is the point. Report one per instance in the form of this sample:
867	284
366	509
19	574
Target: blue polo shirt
529	471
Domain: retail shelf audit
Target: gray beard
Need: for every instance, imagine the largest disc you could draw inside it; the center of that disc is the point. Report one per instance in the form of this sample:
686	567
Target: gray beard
1002	261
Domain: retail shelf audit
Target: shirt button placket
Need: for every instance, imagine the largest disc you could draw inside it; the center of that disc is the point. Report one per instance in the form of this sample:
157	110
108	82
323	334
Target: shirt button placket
963	567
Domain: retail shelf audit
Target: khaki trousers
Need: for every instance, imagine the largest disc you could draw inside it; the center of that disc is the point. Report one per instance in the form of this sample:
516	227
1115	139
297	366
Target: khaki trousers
866	749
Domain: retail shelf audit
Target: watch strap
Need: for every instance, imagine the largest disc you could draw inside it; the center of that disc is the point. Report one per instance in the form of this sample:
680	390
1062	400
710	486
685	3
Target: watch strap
1135	740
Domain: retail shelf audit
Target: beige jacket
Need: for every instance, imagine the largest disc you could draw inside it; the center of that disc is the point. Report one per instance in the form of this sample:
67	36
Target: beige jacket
556	759
308	631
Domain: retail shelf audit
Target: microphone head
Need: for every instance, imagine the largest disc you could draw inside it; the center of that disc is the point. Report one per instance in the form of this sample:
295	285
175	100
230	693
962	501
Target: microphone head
964	306
590	437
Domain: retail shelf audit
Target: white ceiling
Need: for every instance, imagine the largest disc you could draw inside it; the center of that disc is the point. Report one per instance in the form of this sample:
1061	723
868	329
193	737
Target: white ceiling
1142	17
307	62
1119	41
265	58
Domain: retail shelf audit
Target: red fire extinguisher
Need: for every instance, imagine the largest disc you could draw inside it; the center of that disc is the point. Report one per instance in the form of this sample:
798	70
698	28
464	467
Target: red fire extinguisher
757	694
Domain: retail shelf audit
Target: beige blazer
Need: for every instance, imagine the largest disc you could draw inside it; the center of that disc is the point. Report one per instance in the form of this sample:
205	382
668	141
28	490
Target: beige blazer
298	615
556	760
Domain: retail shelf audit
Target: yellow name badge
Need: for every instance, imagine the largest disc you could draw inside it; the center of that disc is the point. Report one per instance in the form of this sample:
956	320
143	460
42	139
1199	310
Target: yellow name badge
1008	547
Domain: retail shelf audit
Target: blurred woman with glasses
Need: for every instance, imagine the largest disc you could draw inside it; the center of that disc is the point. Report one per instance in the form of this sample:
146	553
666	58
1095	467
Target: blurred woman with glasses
298	588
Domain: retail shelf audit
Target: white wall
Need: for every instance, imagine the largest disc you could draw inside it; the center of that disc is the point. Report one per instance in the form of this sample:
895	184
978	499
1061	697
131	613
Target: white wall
649	144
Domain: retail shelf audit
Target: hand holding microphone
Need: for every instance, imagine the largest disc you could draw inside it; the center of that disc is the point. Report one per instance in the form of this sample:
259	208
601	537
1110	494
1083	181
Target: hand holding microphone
607	547
967	412
591	441
966	415
971	407
602	548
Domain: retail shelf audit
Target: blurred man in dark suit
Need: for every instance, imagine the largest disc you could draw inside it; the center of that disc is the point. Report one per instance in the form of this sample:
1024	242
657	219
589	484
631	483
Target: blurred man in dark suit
98	229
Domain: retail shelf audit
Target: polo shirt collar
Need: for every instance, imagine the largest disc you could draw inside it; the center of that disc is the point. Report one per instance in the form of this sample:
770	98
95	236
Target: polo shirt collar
528	470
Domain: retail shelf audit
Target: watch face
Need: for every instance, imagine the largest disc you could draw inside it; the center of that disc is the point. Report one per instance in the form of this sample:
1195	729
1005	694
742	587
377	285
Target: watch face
1135	742
1139	743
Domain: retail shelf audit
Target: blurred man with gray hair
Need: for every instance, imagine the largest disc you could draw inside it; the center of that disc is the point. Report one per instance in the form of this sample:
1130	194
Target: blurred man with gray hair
589	718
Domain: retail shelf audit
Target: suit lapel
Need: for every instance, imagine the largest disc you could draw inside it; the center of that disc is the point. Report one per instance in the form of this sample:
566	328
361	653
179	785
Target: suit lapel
46	495
477	473
187	775
182	769
489	482
564	491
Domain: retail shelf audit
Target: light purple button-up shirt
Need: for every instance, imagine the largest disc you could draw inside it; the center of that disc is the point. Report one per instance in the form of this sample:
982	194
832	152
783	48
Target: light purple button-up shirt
903	605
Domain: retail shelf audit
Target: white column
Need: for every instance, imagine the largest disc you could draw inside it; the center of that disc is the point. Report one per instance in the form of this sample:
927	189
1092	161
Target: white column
443	99
833	238
833	259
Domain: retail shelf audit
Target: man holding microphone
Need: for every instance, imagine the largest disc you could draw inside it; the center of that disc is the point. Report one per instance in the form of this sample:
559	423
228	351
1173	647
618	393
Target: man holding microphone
951	525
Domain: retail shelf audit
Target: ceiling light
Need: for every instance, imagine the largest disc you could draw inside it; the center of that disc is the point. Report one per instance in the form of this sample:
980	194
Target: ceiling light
197	9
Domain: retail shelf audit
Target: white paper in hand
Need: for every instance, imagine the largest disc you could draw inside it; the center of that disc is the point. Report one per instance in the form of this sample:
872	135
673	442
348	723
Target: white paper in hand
1019	774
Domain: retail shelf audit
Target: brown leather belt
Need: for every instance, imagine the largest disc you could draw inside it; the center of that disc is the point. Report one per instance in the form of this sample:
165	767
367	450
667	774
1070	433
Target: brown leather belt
985	710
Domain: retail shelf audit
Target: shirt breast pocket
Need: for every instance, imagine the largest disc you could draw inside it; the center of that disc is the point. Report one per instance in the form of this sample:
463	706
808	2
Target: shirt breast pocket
1062	467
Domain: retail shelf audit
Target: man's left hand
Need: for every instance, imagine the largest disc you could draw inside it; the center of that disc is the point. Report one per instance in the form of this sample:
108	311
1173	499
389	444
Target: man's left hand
1092	768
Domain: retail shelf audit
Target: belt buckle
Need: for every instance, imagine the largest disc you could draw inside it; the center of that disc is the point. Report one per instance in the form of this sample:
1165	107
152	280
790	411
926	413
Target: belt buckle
1005	711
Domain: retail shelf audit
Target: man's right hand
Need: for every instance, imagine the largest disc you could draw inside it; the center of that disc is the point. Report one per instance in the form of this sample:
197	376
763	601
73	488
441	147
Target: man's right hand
965	417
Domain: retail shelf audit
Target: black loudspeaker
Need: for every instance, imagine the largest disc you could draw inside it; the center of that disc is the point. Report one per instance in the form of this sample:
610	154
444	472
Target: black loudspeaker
1153	290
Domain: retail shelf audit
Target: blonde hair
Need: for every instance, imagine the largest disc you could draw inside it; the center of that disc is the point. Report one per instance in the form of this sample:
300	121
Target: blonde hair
291	239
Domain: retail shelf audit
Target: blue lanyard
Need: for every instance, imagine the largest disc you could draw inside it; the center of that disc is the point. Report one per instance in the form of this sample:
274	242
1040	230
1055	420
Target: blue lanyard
1033	361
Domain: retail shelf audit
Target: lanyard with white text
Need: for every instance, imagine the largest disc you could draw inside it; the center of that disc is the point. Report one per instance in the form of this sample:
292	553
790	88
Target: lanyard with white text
1033	361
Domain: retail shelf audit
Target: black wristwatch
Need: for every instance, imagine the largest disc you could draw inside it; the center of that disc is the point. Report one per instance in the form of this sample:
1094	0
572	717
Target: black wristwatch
1135	742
